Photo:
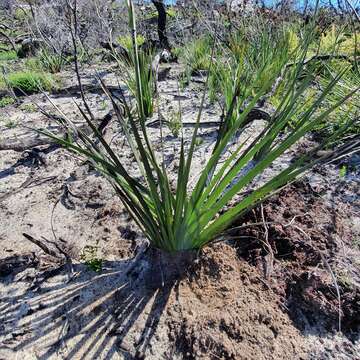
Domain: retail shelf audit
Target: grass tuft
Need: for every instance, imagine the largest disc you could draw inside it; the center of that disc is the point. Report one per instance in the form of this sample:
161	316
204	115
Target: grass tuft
29	82
8	55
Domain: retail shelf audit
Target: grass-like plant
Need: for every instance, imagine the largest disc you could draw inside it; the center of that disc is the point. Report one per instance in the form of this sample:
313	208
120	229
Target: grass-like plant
174	123
197	55
145	94
338	40
29	81
147	82
50	62
347	111
245	65
8	55
190	215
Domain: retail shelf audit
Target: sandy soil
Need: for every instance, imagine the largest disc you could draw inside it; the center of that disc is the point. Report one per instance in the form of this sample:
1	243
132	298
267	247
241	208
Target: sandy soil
233	300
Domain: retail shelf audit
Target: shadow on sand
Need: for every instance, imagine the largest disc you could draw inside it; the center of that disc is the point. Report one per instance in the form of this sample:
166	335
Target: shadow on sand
90	316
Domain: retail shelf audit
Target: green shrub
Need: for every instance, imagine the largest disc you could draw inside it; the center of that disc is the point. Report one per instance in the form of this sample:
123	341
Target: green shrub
90	258
29	108
175	123
194	210
337	40
33	64
50	62
30	82
10	124
246	65
22	14
6	100
171	12
348	110
197	54
126	41
8	55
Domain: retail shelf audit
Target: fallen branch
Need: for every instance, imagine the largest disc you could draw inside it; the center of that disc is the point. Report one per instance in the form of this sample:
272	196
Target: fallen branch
43	246
254	114
35	139
8	38
29	181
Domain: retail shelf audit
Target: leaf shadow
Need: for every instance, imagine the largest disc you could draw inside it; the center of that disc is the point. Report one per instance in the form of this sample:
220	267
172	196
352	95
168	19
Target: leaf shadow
92	316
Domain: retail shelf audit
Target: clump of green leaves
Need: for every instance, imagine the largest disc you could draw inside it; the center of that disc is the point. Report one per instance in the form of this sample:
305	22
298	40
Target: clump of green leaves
246	65
90	258
30	82
142	84
196	209
29	108
10	124
343	171
348	110
126	41
50	62
197	58
338	40
146	80
197	55
6	100
22	14
33	64
8	55
174	123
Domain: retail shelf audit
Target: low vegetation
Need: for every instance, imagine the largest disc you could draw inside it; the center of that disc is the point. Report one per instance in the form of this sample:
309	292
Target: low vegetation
6	100
28	82
188	218
153	149
8	55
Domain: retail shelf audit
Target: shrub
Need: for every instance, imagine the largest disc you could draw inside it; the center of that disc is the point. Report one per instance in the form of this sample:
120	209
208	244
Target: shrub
10	124
348	110
30	82
90	258
197	54
245	65
33	64
22	14
337	40
8	55
193	214
29	108
6	100
126	41
293	40
175	123
145	85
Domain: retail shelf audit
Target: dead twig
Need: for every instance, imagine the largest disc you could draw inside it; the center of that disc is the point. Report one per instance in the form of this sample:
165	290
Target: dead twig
42	245
55	251
269	258
29	181
24	143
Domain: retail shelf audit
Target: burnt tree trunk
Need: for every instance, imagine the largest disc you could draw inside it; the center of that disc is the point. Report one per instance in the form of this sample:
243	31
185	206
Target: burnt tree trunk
160	7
